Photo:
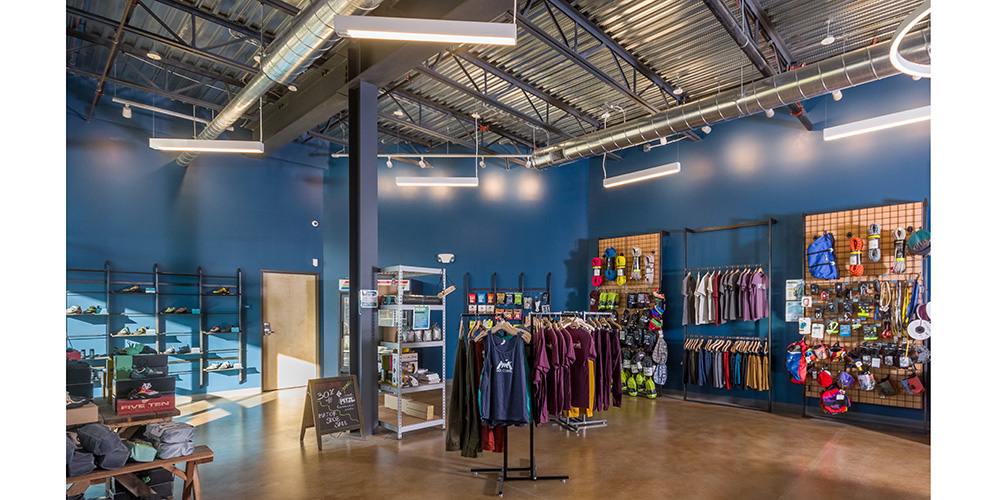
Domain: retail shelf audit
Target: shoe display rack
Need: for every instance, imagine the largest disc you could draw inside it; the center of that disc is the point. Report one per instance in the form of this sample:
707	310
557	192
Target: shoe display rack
196	319
397	421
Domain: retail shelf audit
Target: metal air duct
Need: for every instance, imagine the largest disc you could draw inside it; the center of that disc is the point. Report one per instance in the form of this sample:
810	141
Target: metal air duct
853	68
294	50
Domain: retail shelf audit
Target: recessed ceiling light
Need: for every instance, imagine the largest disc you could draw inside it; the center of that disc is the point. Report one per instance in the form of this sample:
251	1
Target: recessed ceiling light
154	55
398	112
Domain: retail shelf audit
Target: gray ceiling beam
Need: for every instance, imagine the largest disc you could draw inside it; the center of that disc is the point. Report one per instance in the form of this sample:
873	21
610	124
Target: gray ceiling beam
113	51
156	91
183	47
567	52
458	115
749	47
521	84
770	31
208	16
438	77
289	9
602	36
404	136
323	90
172	63
444	137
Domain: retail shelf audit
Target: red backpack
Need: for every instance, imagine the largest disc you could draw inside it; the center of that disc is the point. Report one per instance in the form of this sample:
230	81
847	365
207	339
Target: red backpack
795	360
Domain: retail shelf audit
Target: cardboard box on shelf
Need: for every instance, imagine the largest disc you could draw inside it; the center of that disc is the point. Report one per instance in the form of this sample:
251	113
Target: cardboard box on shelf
388	333
85	414
411	407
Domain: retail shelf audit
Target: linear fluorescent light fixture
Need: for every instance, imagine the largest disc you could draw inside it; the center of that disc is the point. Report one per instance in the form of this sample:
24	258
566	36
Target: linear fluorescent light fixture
206	146
425	30
641	175
878	123
438	181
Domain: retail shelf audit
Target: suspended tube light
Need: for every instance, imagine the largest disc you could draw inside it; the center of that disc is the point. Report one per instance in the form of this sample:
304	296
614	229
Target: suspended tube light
642	175
437	181
878	123
425	30
206	146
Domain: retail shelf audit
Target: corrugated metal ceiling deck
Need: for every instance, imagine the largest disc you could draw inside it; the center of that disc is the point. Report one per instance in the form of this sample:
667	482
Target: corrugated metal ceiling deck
680	41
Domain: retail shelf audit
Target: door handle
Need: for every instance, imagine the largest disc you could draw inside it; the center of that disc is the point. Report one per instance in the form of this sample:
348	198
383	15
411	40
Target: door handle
267	328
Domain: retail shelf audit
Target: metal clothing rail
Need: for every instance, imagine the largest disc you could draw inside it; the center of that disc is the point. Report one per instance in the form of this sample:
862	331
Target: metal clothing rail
576	423
769	223
504	471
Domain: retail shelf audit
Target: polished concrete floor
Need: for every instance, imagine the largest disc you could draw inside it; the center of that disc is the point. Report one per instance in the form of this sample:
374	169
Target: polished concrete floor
664	448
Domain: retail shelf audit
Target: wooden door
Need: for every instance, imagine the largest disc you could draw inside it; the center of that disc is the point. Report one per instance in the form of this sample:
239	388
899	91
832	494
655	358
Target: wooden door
290	320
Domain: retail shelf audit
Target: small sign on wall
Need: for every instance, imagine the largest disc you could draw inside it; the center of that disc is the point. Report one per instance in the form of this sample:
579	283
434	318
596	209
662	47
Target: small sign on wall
368	299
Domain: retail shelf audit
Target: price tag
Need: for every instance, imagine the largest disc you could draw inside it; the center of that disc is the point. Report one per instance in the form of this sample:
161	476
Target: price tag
876	362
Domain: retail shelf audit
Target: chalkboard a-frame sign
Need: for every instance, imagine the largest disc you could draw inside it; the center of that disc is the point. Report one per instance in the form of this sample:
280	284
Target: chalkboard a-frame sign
332	406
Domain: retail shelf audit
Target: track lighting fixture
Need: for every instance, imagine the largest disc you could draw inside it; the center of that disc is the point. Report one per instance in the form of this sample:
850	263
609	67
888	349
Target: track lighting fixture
127	112
154	55
706	129
837	95
398	112
769	112
482	163
292	87
422	163
388	162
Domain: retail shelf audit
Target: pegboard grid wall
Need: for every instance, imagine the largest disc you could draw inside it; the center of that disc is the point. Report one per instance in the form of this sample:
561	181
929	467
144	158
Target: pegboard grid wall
908	216
649	244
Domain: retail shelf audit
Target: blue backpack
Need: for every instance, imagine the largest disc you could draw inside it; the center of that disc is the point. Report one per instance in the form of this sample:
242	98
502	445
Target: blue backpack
821	258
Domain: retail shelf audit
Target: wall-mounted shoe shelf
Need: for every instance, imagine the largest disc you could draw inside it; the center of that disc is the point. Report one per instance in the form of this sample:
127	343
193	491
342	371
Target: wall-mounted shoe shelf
137	299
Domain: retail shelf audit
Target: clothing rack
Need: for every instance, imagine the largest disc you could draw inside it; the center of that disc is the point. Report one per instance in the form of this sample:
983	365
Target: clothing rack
504	471
576	423
769	223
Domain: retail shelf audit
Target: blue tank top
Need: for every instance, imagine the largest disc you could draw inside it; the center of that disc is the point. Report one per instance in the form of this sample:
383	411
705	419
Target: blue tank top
503	387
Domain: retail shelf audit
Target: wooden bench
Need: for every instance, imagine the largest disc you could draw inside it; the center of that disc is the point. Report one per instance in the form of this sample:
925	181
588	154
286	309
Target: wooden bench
125	475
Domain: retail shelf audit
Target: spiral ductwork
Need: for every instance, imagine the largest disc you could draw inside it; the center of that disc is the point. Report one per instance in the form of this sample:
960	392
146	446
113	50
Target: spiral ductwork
857	67
308	37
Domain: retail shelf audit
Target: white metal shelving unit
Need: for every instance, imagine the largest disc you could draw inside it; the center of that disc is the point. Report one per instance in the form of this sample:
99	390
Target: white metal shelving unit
405	423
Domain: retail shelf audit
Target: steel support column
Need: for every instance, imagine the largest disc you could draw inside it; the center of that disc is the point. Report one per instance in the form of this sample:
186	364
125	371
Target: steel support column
363	189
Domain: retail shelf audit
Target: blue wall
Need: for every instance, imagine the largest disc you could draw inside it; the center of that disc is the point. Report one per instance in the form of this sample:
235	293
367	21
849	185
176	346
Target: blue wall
516	221
755	168
135	207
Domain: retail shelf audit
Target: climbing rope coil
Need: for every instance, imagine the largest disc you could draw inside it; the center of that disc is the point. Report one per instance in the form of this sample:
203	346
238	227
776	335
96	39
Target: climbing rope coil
899	252
857	244
874	236
636	263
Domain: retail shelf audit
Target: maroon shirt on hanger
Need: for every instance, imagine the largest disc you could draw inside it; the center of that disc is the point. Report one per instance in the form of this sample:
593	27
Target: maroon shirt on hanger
541	369
569	357
554	384
583	345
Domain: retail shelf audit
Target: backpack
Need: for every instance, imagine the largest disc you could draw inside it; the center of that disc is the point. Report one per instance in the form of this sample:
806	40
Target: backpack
822	259
795	360
834	401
